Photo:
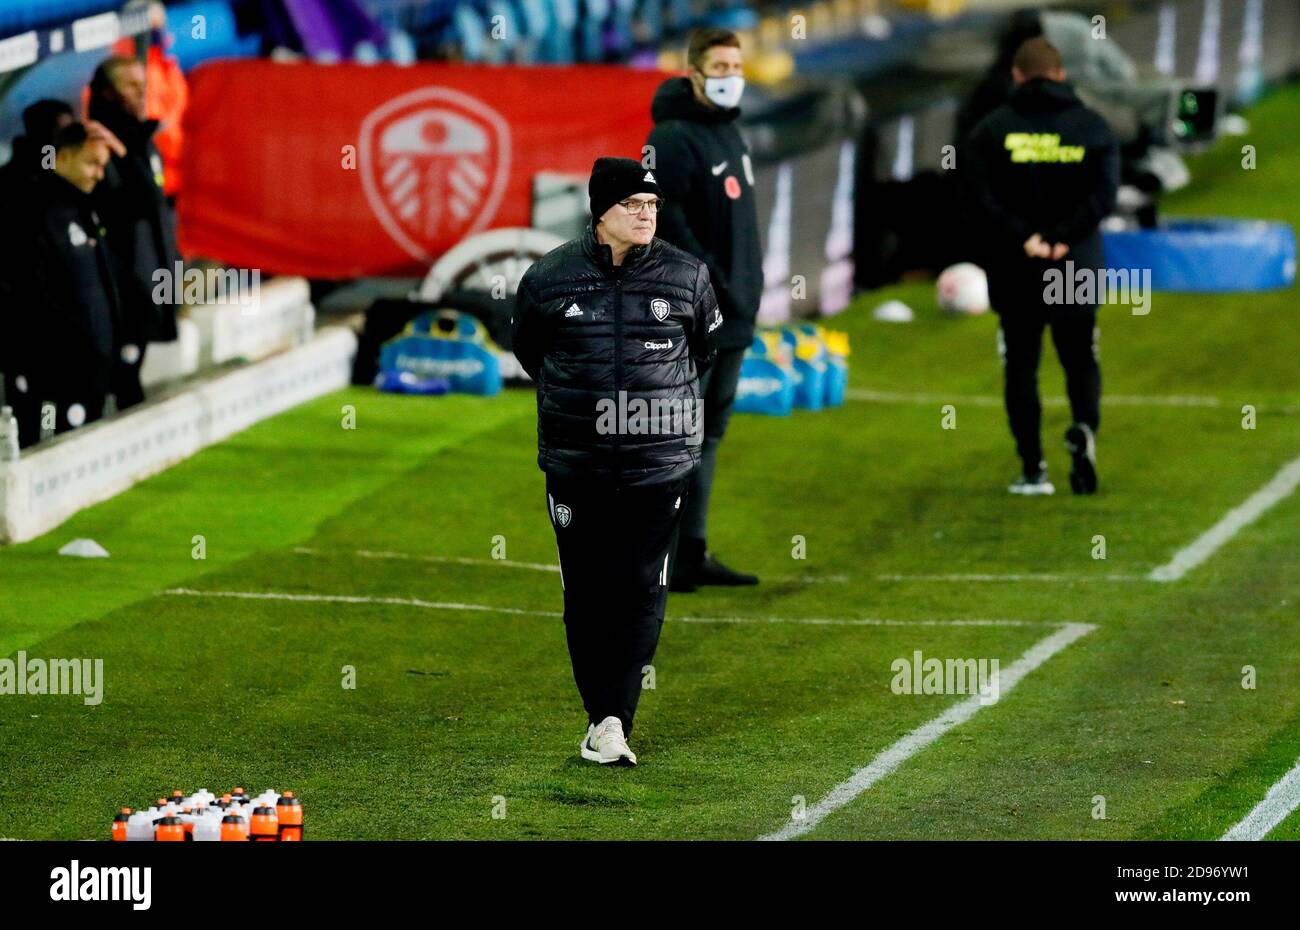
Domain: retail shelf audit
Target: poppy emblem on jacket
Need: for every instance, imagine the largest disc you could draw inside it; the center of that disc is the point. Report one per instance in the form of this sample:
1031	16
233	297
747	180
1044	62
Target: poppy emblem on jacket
732	187
563	514
434	165
659	307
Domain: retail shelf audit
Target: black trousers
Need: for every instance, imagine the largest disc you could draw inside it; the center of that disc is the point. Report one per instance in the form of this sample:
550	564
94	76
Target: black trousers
88	392
1020	342
718	386
126	388
613	544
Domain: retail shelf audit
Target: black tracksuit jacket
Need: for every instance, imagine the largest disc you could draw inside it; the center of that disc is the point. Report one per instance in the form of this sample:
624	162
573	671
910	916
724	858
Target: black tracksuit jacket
703	167
1042	163
585	329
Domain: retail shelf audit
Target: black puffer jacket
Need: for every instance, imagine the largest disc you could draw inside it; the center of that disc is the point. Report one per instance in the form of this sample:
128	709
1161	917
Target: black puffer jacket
703	167
616	352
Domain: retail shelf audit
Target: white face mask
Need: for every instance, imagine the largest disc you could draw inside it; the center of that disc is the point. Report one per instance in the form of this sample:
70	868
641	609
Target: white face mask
725	91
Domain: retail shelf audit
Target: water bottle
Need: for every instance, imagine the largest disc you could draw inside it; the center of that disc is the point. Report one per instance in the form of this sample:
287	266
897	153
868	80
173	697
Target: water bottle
265	826
288	811
139	827
119	825
234	828
8	435
207	829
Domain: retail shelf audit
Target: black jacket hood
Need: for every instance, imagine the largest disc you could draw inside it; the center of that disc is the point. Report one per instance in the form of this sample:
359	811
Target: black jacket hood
675	99
1043	95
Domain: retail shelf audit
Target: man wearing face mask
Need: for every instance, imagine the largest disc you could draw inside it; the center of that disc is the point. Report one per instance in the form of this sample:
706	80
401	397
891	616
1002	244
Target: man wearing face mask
704	169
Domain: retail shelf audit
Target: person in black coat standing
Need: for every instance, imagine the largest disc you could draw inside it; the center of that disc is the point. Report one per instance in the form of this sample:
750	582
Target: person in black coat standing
704	168
61	290
32	156
615	327
1040	173
140	221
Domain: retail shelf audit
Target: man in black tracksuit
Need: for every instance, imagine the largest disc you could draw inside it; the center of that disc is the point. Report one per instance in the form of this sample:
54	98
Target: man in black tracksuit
140	221
614	327
1041	173
703	165
61	291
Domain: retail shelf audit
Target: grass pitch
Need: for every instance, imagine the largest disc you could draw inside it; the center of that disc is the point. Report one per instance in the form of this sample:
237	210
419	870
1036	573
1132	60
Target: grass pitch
455	708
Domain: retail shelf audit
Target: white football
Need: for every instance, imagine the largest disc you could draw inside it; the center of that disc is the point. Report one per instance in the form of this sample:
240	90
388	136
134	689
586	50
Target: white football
963	289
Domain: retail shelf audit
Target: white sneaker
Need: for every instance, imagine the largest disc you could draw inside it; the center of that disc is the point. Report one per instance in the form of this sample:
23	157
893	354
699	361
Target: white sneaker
1033	485
606	744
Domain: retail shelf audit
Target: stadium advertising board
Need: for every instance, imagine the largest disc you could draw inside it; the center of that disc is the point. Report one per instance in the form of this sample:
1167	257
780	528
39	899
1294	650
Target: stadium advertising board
339	171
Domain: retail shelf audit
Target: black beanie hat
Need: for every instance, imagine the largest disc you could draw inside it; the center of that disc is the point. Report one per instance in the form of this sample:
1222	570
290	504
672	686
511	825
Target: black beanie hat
615	179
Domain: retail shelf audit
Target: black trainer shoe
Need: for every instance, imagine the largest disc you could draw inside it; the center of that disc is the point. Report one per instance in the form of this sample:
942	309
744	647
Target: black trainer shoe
686	564
1033	483
713	572
682	581
1082	443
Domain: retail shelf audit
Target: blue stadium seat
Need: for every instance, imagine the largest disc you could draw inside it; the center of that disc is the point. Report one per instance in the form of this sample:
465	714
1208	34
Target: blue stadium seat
468	30
677	15
650	16
219	39
20	15
534	20
557	44
501	41
401	47
591	30
618	29
735	18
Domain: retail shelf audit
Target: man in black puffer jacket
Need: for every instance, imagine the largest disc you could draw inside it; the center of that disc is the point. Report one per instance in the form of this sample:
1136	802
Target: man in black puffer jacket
703	164
614	327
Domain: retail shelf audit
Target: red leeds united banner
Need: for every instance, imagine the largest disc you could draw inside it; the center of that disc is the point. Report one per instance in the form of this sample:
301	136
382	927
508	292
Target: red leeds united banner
340	171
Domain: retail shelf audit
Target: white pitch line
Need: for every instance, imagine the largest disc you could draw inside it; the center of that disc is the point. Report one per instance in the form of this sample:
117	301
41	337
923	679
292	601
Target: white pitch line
926	734
810	579
1281	800
356	599
455	559
1209	542
866	621
531	566
486	608
1011	577
991	400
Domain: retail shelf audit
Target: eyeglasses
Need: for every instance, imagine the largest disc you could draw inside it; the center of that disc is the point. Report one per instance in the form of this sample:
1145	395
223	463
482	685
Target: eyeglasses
634	207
